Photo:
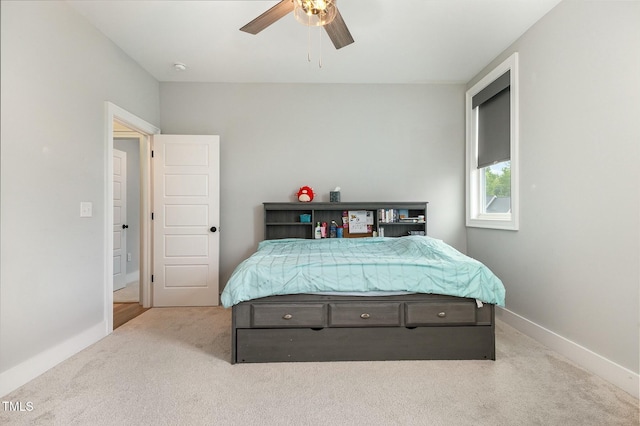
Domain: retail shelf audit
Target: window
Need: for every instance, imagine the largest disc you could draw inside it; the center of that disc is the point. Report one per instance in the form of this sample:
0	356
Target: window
492	149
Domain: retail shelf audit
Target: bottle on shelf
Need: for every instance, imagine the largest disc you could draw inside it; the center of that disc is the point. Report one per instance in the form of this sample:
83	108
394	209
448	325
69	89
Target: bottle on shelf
333	230
318	233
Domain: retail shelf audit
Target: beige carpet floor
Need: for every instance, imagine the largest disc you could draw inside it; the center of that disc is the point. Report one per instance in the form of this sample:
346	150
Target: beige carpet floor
170	366
129	294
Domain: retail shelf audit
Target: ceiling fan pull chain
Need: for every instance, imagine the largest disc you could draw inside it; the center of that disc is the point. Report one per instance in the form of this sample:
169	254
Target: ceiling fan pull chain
309	46
320	44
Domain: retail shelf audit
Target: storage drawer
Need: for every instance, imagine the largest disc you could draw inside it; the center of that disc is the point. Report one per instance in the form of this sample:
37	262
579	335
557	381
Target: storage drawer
364	314
363	344
288	315
440	313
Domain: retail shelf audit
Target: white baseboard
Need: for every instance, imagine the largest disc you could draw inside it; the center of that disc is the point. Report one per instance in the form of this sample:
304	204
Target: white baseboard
28	370
620	376
133	277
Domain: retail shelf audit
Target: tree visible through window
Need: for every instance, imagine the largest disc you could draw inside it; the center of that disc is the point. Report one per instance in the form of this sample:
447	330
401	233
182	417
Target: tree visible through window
497	184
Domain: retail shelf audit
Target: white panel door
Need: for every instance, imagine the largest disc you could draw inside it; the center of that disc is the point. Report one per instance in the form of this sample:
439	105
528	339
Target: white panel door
186	216
119	219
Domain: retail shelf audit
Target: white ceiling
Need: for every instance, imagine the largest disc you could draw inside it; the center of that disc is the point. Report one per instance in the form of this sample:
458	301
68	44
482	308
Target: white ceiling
396	41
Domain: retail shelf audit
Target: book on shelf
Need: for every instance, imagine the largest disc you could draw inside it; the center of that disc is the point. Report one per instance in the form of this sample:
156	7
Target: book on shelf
409	220
391	215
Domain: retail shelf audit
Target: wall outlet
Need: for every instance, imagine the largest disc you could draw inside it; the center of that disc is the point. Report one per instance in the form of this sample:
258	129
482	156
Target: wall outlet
128	257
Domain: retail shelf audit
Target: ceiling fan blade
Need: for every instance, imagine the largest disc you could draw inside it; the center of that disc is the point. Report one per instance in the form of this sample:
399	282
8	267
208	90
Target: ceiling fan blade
338	32
268	17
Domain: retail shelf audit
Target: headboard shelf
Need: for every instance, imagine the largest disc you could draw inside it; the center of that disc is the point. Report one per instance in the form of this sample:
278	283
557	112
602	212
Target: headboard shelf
284	220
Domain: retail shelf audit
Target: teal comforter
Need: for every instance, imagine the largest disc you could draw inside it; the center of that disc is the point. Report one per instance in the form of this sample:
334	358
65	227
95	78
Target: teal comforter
414	264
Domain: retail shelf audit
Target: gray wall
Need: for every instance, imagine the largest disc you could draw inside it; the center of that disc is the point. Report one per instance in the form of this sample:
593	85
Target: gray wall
574	266
377	142
132	147
57	72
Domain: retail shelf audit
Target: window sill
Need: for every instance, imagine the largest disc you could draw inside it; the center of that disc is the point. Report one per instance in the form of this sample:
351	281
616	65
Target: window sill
493	223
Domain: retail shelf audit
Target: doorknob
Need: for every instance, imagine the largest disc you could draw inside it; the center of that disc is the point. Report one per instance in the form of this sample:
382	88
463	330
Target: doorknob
213	229
124	226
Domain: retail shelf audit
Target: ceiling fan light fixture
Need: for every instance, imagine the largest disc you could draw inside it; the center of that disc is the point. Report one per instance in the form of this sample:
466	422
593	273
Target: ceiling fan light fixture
315	13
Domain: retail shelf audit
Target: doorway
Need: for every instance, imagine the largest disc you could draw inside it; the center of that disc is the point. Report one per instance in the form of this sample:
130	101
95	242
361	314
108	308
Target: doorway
127	195
118	123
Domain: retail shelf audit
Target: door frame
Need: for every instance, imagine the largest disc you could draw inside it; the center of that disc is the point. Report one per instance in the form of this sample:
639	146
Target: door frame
114	112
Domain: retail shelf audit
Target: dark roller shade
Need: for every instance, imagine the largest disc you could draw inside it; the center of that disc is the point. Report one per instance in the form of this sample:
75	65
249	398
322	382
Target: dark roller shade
494	121
492	89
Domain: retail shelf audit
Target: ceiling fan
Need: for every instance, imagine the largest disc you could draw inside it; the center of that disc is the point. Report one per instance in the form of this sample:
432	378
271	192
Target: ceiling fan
323	13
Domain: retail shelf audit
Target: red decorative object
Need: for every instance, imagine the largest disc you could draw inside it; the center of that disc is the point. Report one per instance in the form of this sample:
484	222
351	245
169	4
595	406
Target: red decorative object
305	194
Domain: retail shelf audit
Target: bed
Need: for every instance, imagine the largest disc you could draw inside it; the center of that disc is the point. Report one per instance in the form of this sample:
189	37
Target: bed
377	298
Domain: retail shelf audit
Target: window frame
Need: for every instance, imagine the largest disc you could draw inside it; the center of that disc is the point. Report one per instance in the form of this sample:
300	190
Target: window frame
474	177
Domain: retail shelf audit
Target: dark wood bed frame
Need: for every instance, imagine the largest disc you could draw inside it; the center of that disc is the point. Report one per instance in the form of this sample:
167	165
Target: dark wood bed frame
308	327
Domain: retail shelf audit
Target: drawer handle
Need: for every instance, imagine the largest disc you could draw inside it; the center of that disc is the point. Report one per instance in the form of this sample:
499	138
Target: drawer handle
365	316
442	314
287	316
